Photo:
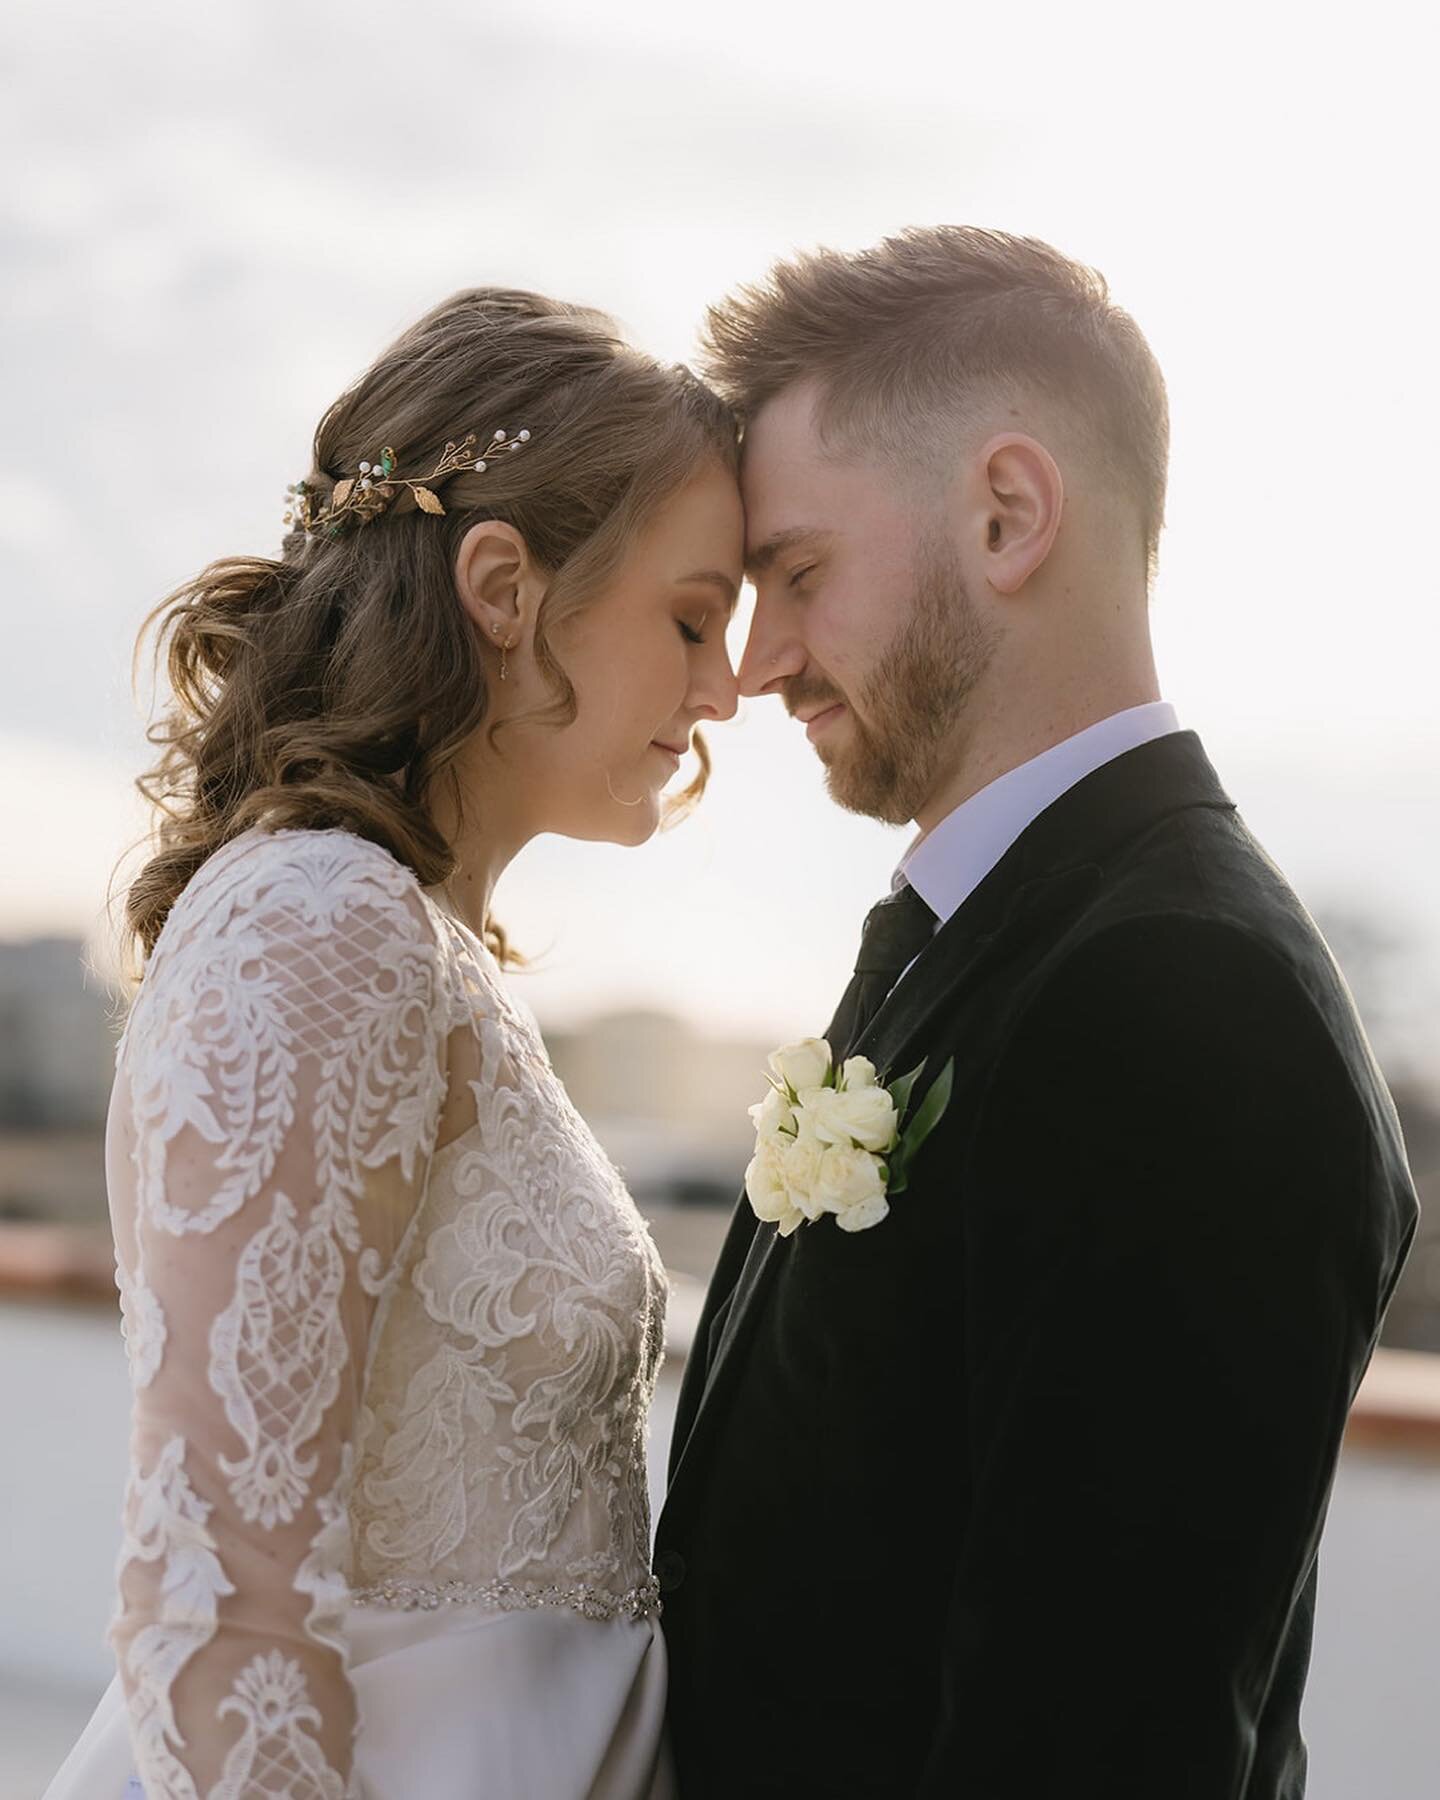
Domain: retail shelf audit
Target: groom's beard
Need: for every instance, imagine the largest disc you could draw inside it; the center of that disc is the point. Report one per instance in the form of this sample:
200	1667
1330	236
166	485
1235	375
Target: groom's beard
892	757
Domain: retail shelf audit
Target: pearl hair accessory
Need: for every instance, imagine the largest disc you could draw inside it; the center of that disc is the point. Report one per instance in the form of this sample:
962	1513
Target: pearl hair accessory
361	497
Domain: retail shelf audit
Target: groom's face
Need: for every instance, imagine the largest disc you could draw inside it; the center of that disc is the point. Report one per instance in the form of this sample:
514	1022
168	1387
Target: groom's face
862	624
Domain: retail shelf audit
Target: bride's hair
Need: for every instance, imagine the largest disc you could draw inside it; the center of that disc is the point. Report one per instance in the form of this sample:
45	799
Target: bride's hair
334	686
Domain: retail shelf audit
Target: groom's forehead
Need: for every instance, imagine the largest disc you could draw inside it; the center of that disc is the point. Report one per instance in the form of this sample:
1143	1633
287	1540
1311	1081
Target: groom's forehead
792	489
784	433
796	490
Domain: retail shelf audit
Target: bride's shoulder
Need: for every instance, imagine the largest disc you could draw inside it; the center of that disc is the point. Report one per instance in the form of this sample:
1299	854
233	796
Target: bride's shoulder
300	884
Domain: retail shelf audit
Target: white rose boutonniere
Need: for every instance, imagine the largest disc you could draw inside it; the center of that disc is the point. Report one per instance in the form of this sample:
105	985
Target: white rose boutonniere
835	1140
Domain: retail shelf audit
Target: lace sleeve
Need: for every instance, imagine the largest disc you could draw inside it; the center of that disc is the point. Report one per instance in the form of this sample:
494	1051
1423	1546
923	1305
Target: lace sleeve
275	1109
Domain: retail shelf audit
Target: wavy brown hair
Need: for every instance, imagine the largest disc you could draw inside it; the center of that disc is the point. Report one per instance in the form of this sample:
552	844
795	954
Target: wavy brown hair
334	685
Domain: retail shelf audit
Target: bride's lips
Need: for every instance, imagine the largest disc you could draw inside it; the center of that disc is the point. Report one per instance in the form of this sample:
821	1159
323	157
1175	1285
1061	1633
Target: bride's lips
823	720
667	750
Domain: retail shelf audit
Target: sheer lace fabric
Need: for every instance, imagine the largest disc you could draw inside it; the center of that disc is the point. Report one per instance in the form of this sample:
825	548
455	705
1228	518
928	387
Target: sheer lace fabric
393	1321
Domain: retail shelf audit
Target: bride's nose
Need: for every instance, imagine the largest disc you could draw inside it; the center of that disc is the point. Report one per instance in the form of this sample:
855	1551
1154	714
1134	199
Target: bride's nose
715	693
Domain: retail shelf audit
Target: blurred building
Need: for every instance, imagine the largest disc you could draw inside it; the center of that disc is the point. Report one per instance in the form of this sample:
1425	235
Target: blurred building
668	1103
56	1043
57	1055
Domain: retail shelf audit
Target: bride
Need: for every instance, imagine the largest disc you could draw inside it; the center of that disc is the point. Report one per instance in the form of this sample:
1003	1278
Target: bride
392	1320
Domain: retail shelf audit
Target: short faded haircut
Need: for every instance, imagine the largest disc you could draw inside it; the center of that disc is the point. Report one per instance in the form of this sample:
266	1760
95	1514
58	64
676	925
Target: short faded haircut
907	339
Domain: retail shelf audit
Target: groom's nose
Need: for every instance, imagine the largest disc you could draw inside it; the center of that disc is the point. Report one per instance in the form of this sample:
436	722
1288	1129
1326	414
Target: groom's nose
773	653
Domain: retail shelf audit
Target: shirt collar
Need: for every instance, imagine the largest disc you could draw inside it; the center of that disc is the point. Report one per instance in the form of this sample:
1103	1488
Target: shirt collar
948	863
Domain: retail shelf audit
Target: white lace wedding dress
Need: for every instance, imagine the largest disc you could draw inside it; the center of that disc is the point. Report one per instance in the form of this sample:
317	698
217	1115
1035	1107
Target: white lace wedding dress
393	1325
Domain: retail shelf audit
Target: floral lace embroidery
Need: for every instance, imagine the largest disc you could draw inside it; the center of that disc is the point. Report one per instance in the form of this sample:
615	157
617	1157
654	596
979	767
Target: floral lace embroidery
167	1525
418	1489
276	1356
322	1574
275	1753
530	1410
142	1326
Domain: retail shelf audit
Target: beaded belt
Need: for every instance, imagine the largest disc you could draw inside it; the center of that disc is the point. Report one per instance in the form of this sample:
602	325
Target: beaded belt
508	1596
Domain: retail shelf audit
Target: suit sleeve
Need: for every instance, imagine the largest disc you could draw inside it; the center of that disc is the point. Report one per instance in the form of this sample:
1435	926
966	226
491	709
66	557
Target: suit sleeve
1180	1234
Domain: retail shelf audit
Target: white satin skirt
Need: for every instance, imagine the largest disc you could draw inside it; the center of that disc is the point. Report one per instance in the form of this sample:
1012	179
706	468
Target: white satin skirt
463	1703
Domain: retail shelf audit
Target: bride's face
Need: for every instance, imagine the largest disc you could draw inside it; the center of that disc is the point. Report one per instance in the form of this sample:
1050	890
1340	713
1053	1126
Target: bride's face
648	662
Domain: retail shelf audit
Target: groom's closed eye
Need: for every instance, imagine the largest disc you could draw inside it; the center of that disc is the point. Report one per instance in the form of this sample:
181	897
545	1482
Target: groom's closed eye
798	540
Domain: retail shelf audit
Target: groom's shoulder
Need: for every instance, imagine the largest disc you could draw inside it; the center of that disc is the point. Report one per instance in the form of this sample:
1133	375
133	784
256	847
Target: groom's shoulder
1201	883
1193	934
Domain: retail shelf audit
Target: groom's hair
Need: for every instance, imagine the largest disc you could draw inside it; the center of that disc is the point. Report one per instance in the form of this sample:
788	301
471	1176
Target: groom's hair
908	339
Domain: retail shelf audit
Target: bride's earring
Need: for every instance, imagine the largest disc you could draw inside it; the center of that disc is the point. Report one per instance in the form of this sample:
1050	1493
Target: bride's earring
639	799
504	648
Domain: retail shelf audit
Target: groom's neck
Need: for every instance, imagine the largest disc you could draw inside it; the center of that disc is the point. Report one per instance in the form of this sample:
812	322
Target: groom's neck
1017	720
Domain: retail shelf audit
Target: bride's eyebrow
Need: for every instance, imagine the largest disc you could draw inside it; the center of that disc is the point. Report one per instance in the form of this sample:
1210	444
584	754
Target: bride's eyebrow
760	559
715	578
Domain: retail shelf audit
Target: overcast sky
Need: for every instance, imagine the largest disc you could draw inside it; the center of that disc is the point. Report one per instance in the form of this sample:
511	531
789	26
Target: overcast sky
211	218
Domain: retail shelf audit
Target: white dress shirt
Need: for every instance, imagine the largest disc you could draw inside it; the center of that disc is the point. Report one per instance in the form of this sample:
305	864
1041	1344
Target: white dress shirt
948	863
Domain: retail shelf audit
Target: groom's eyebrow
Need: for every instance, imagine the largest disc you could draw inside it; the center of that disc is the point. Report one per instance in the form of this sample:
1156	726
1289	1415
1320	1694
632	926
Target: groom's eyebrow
716	578
760	558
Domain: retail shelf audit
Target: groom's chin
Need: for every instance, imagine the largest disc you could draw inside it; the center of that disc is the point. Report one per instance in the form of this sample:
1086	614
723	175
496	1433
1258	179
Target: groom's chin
866	791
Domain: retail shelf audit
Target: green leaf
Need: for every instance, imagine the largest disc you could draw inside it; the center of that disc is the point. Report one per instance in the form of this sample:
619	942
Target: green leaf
930	1111
900	1089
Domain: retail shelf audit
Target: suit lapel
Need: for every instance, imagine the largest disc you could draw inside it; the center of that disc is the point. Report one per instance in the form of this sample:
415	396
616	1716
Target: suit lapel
950	966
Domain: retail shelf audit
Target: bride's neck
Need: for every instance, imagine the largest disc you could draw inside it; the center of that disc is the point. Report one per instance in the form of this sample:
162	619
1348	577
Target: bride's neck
473	819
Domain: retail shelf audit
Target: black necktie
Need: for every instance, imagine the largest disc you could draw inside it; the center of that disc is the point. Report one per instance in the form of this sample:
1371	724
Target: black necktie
897	929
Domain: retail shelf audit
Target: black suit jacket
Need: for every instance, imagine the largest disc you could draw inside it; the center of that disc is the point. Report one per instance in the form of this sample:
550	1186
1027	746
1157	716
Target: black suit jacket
1016	1495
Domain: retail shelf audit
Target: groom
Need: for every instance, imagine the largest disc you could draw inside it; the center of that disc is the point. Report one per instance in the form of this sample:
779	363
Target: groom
1016	1494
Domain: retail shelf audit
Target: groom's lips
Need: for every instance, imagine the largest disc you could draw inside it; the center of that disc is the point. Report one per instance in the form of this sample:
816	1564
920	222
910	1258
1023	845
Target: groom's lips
822	720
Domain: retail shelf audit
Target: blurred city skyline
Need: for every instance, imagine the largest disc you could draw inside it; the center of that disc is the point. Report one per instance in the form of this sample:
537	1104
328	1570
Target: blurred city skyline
212	221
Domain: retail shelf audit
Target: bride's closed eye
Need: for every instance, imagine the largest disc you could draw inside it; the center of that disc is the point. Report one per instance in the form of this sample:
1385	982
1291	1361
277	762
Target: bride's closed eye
690	634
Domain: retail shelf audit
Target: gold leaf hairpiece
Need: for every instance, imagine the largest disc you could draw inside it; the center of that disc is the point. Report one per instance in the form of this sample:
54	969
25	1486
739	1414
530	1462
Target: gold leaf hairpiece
359	498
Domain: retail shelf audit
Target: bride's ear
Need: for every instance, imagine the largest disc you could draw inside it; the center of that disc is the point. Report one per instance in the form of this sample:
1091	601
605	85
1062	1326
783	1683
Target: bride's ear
495	579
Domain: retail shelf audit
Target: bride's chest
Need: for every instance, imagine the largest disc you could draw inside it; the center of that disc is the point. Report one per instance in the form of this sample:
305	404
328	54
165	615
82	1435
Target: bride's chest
528	1250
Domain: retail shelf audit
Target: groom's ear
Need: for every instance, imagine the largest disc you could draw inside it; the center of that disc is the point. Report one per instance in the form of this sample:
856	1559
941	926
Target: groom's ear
1020	498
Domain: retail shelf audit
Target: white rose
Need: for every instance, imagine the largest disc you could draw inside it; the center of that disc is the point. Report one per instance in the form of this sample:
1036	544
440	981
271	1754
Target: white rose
806	1112
865	1116
773	1116
858	1072
765	1186
848	1178
802	1065
862	1216
800	1169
